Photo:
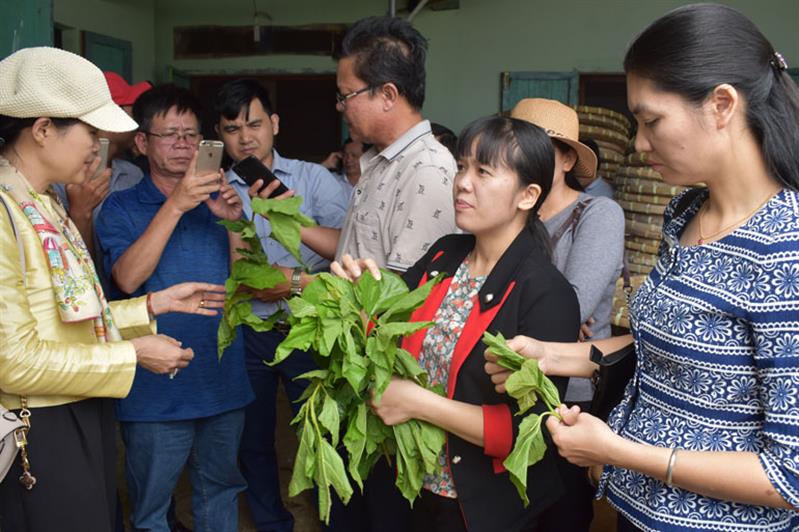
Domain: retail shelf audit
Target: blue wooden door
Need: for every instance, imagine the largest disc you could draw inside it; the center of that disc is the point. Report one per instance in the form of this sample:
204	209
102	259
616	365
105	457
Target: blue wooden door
561	86
25	23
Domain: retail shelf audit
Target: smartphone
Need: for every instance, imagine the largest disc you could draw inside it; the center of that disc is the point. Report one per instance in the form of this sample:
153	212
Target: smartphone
251	170
103	155
210	156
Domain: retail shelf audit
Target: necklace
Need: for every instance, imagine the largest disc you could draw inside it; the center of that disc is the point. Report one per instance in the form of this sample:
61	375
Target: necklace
704	238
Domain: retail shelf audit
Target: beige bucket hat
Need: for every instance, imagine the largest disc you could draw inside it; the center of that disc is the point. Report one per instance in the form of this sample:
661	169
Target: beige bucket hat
53	83
560	122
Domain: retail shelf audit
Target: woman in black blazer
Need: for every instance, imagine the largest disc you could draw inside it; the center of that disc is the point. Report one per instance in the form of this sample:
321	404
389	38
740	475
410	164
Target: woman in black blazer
498	278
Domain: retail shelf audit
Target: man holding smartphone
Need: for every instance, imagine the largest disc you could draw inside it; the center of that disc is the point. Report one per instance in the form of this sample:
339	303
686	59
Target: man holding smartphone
247	124
162	231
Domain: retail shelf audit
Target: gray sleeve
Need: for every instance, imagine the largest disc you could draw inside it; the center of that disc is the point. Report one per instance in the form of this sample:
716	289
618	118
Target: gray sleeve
595	258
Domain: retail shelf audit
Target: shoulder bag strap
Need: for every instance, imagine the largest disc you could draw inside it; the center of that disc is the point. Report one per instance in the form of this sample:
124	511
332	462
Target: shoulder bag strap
571	222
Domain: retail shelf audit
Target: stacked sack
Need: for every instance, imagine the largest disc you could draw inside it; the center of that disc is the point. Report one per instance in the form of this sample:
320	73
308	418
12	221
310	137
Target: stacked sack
643	195
611	131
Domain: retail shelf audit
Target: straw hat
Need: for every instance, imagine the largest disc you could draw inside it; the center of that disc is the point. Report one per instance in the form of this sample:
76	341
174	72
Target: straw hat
560	122
49	82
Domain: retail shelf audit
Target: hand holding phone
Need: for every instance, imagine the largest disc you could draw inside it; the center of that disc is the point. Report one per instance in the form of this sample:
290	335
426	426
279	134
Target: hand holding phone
251	170
210	156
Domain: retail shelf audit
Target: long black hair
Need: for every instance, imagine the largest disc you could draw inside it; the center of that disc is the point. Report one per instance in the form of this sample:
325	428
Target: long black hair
695	48
520	146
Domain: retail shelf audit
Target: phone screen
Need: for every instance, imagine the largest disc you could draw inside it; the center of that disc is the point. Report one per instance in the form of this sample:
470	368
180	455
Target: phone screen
103	154
251	170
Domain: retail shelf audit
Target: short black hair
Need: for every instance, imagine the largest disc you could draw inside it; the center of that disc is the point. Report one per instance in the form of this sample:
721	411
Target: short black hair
364	145
388	50
11	127
235	96
445	136
159	100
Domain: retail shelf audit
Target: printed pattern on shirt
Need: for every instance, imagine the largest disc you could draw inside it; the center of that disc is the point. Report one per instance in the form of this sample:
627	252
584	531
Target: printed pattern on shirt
437	348
716	329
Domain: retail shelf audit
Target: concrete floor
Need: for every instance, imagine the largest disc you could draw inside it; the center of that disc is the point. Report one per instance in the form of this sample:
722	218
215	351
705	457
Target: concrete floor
303	507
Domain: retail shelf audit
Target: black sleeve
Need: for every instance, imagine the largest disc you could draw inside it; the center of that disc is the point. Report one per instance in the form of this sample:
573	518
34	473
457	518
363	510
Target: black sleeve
552	314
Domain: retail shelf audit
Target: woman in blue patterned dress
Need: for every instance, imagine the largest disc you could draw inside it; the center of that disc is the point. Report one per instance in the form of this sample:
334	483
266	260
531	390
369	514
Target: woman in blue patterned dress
707	434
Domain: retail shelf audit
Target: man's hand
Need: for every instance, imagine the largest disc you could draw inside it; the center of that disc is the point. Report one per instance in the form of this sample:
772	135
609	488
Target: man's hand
84	197
277	292
227	204
333	161
193	189
253	191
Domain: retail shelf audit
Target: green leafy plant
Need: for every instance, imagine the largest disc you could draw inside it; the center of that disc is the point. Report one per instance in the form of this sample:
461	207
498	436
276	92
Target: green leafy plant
354	330
253	269
527	384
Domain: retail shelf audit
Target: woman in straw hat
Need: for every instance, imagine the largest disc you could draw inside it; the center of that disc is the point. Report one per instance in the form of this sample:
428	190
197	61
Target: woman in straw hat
587	235
497	278
707	434
63	347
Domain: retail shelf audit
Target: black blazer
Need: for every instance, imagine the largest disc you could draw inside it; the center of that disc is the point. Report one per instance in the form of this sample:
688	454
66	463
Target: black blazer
523	294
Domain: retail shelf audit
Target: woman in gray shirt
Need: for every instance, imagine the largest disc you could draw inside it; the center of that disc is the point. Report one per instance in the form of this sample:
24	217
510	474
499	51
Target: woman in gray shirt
588	248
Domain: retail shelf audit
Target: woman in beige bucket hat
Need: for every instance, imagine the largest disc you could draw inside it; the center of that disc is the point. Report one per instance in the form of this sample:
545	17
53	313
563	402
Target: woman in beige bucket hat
588	247
64	350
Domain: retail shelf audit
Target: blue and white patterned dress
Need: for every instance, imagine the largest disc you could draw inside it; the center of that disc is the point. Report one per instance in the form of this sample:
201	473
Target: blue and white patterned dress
716	329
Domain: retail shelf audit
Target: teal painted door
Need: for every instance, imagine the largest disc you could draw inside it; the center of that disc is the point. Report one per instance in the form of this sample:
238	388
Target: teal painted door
109	53
561	86
25	23
794	72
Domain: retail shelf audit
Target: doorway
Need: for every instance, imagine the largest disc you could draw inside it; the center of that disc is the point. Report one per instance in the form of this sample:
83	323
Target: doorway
310	126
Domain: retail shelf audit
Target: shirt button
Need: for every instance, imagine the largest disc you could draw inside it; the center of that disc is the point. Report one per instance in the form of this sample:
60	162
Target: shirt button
434	273
358	191
456	459
489	298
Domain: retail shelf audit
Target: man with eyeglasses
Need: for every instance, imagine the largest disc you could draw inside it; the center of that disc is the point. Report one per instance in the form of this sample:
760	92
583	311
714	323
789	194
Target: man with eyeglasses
402	203
163	231
247	124
403	200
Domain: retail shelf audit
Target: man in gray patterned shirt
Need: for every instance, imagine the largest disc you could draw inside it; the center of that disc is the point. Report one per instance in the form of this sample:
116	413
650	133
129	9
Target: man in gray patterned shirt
403	201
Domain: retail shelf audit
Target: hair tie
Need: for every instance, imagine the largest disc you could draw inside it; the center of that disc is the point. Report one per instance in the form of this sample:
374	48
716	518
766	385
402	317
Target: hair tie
778	62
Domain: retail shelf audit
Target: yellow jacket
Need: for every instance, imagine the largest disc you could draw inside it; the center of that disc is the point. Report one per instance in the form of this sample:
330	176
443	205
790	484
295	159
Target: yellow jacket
43	358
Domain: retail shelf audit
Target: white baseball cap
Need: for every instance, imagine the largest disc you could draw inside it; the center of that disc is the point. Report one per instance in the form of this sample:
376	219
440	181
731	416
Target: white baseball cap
53	83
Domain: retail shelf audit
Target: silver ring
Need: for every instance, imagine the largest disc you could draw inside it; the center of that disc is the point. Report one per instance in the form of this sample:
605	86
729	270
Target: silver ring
173	373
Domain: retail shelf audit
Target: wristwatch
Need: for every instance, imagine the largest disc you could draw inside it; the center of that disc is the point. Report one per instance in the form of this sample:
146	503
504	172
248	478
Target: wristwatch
295	288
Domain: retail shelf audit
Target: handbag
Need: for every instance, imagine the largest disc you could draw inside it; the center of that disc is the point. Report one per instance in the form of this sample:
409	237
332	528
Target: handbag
13	429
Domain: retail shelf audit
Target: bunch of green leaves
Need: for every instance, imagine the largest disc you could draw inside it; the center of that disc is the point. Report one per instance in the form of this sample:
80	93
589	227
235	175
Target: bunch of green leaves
253	269
354	329
527	384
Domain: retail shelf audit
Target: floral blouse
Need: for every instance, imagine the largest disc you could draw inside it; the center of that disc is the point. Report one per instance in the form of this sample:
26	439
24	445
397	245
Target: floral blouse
716	329
437	348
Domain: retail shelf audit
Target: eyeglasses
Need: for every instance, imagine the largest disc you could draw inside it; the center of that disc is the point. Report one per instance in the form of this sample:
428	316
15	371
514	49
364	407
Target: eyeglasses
172	137
341	99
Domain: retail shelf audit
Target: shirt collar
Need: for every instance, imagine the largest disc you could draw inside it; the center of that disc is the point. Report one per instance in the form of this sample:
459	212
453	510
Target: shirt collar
148	192
407	138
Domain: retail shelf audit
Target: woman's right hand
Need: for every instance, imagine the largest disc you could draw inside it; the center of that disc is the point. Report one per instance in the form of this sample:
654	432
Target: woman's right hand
525	346
161	354
352	269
